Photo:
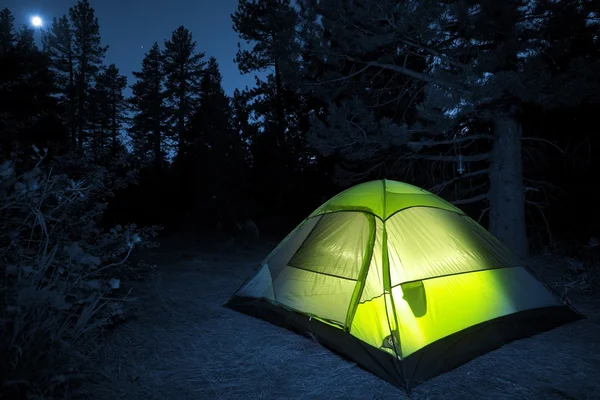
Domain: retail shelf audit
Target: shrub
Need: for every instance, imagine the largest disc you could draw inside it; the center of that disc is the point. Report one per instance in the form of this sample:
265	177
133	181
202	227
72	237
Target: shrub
60	274
581	262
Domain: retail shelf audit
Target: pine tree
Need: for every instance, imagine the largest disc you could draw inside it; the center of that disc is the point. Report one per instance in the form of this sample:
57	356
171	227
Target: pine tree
269	25
58	45
211	125
89	55
218	160
183	68
7	37
148	129
25	40
27	108
107	111
73	44
112	83
488	68
97	121
241	121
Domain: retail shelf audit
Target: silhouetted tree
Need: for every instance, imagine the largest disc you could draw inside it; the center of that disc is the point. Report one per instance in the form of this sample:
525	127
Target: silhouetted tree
183	68
58	46
482	64
241	120
89	55
7	35
149	122
269	26
112	84
27	109
218	166
73	44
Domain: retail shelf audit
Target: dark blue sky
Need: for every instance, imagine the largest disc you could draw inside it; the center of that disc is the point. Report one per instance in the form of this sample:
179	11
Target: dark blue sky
130	27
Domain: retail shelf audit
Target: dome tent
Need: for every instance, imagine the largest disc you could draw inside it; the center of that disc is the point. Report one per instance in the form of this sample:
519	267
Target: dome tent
401	282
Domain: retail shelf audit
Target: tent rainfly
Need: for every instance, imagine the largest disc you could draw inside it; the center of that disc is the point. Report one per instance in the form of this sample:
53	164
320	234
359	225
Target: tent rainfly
401	282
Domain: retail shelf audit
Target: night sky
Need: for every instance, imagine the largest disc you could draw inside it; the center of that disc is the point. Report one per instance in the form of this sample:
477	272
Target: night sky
130	27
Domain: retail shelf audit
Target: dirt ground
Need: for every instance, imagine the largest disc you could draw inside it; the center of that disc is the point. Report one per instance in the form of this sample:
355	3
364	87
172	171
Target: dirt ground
185	345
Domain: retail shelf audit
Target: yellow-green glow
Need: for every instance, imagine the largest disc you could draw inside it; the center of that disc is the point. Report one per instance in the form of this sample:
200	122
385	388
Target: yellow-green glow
383	198
386	258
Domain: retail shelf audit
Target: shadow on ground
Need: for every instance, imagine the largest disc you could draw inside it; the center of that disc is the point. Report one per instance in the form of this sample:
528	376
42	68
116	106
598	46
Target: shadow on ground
185	345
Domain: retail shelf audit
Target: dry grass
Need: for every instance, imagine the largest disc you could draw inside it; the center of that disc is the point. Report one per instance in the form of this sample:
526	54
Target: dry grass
187	346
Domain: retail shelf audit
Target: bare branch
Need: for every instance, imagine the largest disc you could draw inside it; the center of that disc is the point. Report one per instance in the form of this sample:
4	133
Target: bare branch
543	183
429	143
407	40
485	210
541	210
469	200
472	158
404	71
359	128
544	141
340	78
438	188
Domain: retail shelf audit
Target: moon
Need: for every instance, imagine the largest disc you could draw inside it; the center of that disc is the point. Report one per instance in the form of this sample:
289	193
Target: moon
36	21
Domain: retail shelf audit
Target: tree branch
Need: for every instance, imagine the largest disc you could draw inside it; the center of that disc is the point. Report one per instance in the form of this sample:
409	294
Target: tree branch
541	210
485	210
429	143
404	71
439	187
408	41
544	141
473	158
543	183
469	200
341	78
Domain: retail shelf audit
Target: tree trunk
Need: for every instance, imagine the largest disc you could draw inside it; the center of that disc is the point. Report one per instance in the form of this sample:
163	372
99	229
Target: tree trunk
72	95
279	106
114	127
157	150
507	194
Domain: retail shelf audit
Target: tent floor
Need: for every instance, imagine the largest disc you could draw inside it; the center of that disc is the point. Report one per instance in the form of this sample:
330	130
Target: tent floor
438	357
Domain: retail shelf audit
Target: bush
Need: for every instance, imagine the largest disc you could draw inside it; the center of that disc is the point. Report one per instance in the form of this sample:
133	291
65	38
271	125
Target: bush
582	265
60	273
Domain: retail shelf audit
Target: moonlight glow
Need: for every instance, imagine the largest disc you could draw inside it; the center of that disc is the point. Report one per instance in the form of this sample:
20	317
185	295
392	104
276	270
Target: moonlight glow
36	21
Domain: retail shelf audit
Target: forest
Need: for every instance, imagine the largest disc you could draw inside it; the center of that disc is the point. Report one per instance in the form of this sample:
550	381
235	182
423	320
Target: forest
490	105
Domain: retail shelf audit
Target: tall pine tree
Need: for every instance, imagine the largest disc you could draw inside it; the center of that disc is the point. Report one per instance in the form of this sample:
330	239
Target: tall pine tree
107	114
7	36
183	68
483	63
58	45
27	109
89	55
269	27
73	44
148	126
218	162
112	83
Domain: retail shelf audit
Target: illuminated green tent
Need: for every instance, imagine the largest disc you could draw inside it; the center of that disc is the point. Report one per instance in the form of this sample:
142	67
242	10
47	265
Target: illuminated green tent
401	282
